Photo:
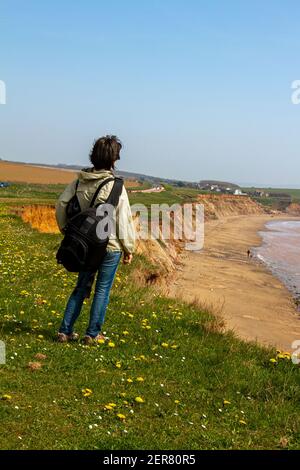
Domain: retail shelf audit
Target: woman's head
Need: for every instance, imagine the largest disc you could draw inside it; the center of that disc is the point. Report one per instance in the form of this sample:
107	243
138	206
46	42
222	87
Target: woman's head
105	152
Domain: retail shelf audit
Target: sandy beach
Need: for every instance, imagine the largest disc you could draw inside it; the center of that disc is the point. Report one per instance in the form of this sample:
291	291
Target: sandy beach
252	302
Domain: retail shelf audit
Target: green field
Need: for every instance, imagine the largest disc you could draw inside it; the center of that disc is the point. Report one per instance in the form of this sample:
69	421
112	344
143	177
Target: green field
33	193
168	378
276	202
294	193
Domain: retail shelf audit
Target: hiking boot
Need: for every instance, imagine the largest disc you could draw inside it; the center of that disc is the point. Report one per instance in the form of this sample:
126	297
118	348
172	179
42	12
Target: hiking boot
90	340
73	337
63	338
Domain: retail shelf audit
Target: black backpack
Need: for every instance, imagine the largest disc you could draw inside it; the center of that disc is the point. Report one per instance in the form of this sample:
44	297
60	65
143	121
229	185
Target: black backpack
81	248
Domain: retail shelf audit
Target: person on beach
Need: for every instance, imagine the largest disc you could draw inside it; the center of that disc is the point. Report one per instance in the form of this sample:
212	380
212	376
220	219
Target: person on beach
104	154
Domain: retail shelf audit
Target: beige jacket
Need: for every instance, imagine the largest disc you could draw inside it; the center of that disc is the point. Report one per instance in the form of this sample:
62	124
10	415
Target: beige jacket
89	180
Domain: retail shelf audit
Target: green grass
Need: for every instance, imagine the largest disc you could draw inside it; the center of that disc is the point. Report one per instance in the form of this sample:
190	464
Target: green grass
295	193
171	195
21	192
184	386
32	191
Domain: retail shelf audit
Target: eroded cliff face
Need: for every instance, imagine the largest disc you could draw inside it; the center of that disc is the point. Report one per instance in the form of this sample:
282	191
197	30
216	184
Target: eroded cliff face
40	217
216	206
294	209
163	255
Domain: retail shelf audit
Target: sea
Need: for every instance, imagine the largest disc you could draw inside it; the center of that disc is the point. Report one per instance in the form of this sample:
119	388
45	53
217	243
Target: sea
280	252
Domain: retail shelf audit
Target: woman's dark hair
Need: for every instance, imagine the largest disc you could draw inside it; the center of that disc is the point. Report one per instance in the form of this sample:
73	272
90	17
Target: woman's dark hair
105	152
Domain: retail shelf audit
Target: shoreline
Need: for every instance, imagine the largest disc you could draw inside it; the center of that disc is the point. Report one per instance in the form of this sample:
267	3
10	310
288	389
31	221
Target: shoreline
254	303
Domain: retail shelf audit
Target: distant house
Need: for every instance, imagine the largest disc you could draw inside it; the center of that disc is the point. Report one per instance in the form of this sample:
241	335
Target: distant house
217	186
239	192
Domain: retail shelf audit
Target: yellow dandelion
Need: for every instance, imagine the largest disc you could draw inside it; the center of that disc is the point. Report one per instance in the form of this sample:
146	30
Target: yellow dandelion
273	360
108	408
118	365
242	422
125	333
177	402
140	379
139	400
121	416
129	380
6	397
111	344
101	341
165	345
86	392
280	356
226	402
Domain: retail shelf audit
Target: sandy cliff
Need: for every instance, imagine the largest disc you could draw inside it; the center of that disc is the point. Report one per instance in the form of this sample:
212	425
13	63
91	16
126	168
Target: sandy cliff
293	209
216	206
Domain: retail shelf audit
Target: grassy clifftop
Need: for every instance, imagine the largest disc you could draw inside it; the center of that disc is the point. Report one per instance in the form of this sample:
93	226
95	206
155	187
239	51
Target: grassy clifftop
168	378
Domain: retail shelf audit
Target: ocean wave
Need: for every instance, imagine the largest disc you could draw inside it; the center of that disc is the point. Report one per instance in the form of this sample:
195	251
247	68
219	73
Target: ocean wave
280	251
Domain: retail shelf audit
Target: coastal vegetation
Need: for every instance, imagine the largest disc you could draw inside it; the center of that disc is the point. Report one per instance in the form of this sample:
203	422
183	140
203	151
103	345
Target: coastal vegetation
168	377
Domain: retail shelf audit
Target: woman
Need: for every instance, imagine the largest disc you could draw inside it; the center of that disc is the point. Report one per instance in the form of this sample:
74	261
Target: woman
105	152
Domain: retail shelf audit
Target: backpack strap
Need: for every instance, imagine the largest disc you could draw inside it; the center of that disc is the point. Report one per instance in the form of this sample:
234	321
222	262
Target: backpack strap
116	192
107	180
76	186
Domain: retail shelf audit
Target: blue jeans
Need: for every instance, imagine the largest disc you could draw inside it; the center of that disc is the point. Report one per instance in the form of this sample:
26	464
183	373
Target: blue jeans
105	279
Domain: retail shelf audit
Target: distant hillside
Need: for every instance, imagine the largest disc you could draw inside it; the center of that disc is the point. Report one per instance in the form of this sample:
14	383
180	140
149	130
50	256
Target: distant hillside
154	180
140	177
220	184
126	174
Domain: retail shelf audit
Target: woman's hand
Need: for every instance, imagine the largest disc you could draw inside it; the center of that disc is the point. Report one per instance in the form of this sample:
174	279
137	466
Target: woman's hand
127	258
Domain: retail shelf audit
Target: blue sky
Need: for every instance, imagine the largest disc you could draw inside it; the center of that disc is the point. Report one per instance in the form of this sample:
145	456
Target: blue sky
194	89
